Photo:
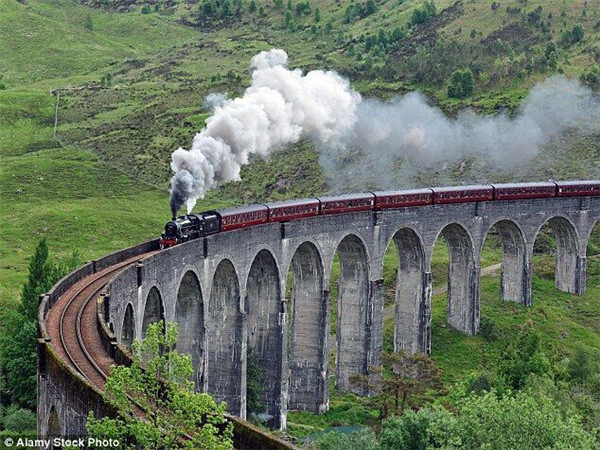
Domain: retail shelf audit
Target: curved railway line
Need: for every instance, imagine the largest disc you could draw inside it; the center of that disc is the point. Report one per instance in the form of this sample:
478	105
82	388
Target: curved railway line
72	326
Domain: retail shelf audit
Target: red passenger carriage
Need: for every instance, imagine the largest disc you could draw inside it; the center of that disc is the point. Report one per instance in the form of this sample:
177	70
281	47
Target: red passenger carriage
243	216
293	209
462	194
402	199
347	203
515	191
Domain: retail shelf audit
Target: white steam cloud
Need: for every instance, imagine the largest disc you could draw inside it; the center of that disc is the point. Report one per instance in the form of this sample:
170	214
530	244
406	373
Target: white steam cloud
278	108
363	140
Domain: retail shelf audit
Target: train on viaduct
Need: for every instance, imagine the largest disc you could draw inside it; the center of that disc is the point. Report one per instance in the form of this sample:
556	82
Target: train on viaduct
227	293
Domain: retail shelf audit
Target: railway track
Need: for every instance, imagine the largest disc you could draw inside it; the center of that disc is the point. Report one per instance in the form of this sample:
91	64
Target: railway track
72	325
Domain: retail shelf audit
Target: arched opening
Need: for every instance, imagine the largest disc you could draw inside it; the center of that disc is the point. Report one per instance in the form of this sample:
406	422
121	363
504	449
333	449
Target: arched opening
593	259
462	288
405	256
555	254
153	311
593	256
350	317
128	329
224	336
189	315
53	423
307	331
265	345
504	252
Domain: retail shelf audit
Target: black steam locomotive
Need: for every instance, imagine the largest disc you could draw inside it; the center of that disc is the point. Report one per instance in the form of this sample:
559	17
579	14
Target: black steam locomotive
192	226
188	227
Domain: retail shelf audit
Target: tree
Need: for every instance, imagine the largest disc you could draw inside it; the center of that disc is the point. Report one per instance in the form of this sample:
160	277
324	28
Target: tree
20	420
317	15
551	55
488	422
18	339
520	421
423	14
2	84
522	357
158	382
370	8
573	35
398	378
207	8
591	78
411	430
460	84
252	6
146	9
584	364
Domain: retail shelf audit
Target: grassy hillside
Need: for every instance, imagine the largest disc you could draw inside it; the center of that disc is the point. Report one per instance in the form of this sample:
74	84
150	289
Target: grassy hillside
131	76
153	105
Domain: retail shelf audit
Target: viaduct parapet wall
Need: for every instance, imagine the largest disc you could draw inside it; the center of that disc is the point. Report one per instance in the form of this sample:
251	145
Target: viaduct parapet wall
227	292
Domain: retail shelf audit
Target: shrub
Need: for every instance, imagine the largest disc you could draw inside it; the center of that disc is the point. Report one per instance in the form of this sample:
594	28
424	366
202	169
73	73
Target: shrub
460	84
359	440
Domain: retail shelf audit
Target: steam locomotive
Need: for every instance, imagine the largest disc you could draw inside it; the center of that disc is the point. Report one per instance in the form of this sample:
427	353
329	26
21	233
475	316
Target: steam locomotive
192	226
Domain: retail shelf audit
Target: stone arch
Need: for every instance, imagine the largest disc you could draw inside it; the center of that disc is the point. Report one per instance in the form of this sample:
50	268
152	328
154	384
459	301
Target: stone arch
592	250
568	262
128	328
409	328
462	311
189	316
54	423
265	325
224	338
308	349
514	284
153	309
591	231
352	305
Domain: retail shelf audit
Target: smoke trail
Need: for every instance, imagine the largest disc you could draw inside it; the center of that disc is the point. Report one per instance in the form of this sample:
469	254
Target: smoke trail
278	108
391	141
365	142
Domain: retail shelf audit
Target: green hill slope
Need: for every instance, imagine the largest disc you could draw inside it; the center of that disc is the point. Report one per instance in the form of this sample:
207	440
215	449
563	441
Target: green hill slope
133	76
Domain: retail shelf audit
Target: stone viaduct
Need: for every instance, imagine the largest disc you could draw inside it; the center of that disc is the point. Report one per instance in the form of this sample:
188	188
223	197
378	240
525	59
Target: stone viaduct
227	292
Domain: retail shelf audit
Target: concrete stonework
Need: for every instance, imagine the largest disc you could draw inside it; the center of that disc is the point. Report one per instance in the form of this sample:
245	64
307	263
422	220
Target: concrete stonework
235	301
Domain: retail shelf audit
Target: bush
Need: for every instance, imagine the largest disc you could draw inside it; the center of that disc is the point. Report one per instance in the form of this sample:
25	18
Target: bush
487	329
522	357
591	79
411	431
573	35
359	440
522	422
424	13
460	84
20	420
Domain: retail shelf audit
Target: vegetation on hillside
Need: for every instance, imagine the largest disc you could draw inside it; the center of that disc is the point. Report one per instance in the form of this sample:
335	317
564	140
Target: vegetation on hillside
127	81
156	402
18	341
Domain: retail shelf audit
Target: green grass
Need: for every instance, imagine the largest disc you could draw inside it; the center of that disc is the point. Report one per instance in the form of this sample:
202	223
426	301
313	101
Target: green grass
46	40
564	321
103	184
77	203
